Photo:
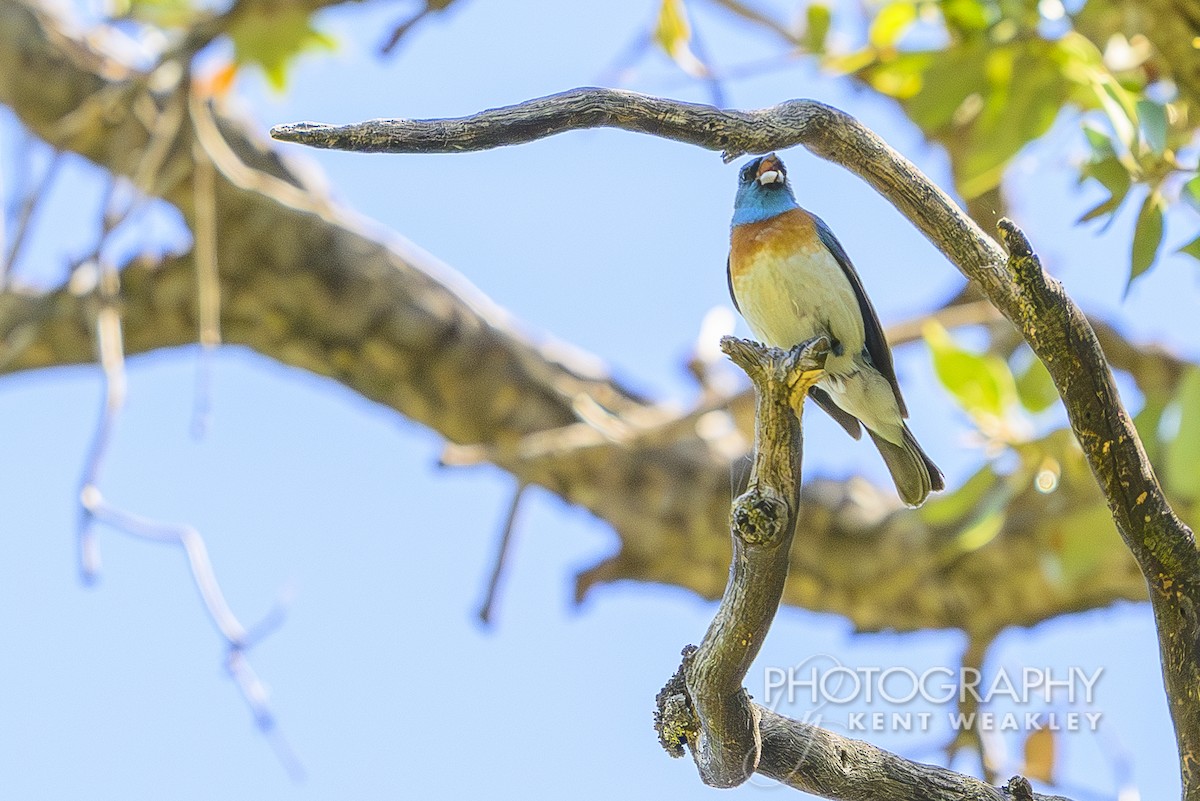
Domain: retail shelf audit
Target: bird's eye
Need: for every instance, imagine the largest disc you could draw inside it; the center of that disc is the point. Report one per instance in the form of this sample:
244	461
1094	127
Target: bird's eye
748	171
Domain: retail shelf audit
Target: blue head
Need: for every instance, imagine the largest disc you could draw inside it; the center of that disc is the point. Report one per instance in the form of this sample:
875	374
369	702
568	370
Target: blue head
763	191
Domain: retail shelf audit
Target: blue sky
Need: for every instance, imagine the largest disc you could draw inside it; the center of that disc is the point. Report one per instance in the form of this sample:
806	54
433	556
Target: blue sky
382	681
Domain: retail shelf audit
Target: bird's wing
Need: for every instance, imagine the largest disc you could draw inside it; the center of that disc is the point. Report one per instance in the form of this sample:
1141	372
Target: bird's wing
843	417
876	343
729	279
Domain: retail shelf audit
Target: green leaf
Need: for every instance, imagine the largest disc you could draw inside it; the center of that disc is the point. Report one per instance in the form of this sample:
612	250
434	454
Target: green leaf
1102	208
981	531
1113	176
984	520
1118	107
163	13
1153	117
891	22
1101	142
1110	172
1081	63
949	508
1036	388
673	33
272	36
1147	422
1147	236
1085	540
967	16
820	19
983	101
946	80
1191	193
975	513
981	383
1192	248
903	76
1183	452
1023	102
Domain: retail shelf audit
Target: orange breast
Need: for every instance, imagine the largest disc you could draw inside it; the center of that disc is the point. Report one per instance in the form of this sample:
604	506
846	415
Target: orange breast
789	234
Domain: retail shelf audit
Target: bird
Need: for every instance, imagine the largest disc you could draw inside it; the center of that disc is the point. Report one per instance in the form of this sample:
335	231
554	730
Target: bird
791	280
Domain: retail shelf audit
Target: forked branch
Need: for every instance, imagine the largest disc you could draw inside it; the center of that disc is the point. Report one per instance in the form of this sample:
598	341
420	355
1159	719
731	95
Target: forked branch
1013	281
726	743
704	706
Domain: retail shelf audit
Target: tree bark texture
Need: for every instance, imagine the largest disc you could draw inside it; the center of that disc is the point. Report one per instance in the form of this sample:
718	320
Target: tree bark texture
704	706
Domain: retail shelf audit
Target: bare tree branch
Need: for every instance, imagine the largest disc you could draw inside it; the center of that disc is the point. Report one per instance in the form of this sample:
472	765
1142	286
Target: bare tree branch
1164	547
95	509
828	133
814	760
726	745
704	705
392	324
1015	283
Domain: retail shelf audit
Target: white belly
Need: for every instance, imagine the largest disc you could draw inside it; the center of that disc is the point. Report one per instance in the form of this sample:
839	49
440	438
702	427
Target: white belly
790	300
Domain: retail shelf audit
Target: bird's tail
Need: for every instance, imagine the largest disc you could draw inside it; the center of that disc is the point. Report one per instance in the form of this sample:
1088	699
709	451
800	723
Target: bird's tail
915	473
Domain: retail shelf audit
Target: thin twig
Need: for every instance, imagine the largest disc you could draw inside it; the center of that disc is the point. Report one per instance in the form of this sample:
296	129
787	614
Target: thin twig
400	30
255	693
24	218
755	68
234	170
110	353
620	70
94	508
716	91
502	551
973	736
238	638
961	315
758	18
208	282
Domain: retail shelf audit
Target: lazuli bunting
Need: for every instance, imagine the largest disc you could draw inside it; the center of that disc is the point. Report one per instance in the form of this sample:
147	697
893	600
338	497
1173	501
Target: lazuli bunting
791	280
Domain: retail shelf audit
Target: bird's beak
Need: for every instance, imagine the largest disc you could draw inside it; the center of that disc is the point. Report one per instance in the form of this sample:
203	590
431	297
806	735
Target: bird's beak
770	171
